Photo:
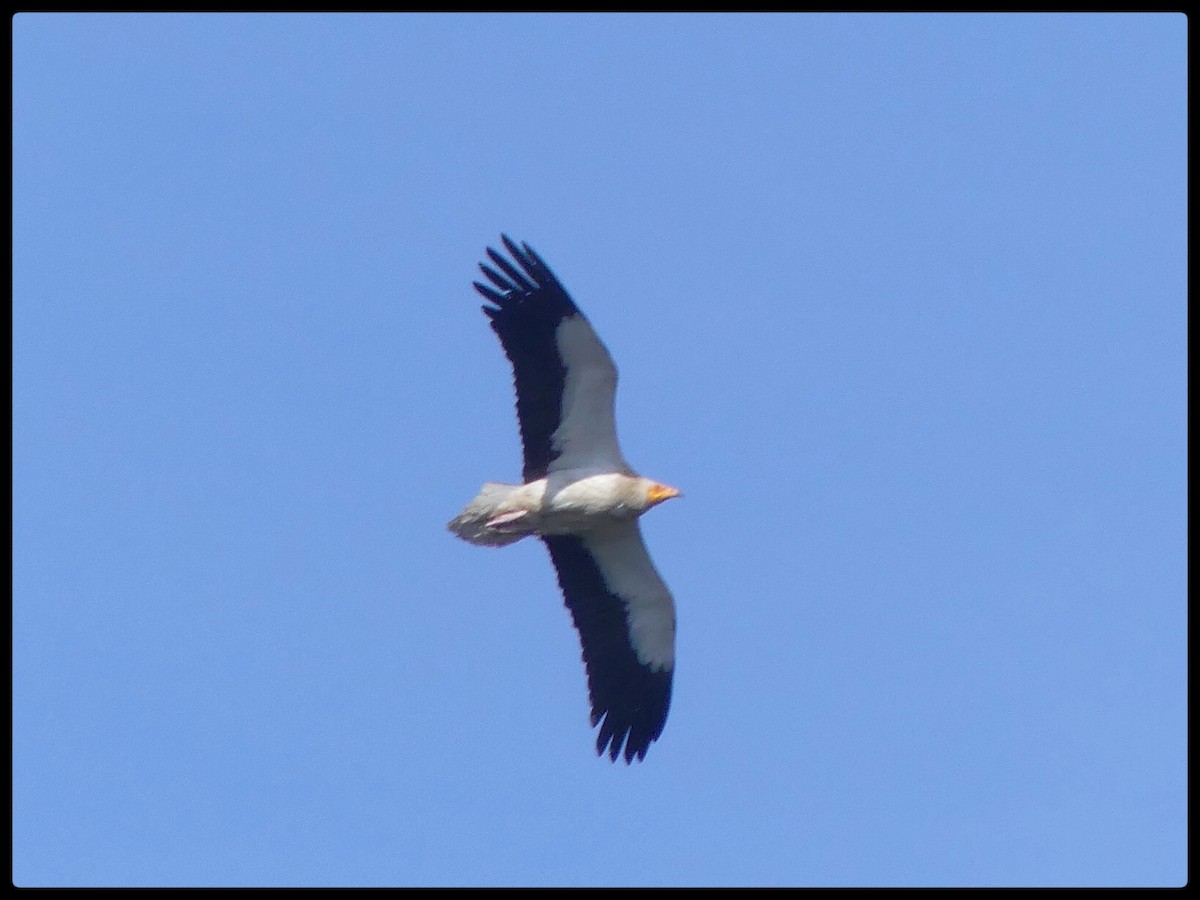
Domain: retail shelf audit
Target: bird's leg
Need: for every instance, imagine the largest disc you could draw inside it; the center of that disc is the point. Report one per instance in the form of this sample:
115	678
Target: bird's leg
507	518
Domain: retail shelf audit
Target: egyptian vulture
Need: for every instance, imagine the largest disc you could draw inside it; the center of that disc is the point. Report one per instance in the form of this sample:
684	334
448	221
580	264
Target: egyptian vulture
580	498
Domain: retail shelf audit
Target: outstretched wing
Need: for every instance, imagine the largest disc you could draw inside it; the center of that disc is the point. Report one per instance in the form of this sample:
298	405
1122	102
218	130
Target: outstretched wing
626	622
564	377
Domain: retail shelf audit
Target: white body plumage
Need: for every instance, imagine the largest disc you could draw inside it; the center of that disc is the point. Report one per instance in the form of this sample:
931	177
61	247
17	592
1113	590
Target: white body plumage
561	503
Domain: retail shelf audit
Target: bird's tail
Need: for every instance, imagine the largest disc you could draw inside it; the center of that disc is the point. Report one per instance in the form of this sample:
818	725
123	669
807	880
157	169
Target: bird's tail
481	524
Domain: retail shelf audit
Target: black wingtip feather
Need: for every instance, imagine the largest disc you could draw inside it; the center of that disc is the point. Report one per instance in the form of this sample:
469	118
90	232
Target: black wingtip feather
510	270
496	278
533	255
490	294
510	246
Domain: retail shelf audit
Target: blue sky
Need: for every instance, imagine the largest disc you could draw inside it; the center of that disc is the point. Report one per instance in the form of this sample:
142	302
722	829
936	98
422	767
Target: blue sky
898	301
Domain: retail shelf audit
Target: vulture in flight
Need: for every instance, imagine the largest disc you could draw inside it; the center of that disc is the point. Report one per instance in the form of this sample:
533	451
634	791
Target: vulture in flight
580	498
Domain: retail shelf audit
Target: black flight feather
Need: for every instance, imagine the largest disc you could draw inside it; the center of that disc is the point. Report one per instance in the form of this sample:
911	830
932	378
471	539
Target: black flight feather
629	699
527	312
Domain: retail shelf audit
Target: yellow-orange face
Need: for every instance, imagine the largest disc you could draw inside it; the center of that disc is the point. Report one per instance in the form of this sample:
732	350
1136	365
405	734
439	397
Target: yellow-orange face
657	493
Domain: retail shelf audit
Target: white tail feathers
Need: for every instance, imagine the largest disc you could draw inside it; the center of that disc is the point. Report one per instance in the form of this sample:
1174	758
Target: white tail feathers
483	522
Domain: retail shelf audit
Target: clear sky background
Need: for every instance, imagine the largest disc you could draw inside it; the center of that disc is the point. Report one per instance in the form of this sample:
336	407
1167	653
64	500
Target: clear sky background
899	302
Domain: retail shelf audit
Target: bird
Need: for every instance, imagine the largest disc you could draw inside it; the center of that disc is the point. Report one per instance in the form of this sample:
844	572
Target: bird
580	498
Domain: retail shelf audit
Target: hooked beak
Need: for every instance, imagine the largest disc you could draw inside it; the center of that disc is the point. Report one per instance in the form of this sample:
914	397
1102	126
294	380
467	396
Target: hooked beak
660	492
